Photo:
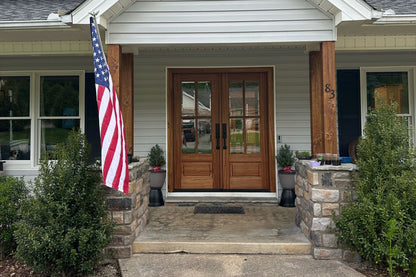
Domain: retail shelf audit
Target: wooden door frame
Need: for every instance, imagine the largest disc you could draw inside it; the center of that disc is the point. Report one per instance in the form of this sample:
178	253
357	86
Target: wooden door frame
270	115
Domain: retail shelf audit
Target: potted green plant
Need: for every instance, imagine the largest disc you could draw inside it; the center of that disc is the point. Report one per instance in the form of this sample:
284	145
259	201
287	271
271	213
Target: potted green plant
286	159
305	155
157	176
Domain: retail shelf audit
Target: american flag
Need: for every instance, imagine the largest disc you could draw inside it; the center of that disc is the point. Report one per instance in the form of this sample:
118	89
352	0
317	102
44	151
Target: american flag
113	143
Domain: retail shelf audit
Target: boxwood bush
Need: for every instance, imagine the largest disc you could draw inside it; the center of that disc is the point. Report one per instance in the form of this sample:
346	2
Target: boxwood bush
65	224
12	192
381	224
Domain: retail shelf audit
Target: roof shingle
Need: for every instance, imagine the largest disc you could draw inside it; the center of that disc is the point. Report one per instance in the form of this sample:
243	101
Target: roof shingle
29	10
399	6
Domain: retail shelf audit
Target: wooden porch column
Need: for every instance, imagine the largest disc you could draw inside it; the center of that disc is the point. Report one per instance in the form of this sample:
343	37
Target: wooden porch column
121	69
323	99
126	99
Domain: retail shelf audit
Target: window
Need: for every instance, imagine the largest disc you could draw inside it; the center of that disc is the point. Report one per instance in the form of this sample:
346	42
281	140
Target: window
37	110
385	86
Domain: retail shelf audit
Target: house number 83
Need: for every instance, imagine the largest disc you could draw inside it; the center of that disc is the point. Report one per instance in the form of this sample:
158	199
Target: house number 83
328	89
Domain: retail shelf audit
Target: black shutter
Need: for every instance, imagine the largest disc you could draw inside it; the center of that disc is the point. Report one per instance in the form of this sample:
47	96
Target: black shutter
92	131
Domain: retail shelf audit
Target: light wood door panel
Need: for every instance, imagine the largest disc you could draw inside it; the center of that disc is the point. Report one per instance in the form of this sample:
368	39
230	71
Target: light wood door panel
220	127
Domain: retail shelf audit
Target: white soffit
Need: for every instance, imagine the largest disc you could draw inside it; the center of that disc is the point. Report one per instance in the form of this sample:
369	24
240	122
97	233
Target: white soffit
347	10
104	10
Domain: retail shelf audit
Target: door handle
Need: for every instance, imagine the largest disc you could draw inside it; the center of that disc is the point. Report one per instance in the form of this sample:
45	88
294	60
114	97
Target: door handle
224	135
217	135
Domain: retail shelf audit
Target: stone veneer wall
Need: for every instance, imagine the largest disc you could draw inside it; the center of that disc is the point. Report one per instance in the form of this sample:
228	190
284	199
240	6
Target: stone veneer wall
321	191
129	212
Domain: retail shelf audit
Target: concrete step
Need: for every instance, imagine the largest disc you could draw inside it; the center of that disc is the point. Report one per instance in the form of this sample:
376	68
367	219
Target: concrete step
215	247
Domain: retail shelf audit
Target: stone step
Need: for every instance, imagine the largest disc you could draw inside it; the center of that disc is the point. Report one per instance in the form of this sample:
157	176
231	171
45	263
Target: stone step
217	247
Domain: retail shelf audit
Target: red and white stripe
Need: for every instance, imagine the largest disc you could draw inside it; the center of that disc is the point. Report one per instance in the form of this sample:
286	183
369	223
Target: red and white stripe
113	143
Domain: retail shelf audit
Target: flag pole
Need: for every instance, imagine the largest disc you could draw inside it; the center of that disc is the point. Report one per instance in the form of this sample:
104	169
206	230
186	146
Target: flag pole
94	16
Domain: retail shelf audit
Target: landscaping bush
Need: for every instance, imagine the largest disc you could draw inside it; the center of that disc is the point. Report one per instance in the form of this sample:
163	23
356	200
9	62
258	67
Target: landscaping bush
12	192
381	224
65	224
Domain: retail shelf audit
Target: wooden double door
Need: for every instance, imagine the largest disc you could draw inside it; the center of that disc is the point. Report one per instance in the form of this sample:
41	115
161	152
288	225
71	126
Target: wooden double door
221	130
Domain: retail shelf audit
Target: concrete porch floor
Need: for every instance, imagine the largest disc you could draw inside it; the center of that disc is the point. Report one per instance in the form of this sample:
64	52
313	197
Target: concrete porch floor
263	229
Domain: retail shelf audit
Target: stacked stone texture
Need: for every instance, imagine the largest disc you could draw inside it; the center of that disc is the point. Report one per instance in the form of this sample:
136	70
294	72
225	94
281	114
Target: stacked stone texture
130	212
321	192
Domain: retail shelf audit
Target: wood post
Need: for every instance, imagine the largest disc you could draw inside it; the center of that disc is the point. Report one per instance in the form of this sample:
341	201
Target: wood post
323	99
121	69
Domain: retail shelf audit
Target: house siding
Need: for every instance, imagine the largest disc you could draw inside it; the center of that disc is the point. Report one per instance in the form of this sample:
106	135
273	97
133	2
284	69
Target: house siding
202	22
291	90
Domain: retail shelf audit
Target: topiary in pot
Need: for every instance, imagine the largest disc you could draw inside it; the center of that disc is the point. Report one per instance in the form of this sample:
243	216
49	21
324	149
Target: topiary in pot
286	159
157	176
156	158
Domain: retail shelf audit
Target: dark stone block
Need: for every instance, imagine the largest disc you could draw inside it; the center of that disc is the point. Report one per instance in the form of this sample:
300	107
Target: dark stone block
316	238
298	219
119	204
327	179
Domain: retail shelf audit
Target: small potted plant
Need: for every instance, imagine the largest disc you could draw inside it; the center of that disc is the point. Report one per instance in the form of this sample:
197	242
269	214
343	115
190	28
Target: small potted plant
286	159
157	176
305	155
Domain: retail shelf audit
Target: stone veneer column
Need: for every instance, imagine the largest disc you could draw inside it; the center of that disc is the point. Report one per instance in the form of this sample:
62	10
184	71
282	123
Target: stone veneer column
129	212
322	191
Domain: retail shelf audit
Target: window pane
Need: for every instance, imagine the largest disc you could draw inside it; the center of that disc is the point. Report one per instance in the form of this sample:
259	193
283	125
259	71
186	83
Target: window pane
54	131
204	136
204	98
388	87
15	139
188	98
235	91
188	136
236	136
59	96
253	135
14	96
252	98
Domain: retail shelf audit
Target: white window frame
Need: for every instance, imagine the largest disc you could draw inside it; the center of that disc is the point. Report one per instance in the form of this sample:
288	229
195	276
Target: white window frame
34	112
411	77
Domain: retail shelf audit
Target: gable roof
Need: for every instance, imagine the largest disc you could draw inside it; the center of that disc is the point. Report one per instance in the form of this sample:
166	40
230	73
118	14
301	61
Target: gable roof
33	10
400	7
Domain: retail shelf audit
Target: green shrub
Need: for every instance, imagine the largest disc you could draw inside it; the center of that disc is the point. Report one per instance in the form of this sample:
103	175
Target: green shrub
156	157
65	224
381	224
12	192
285	156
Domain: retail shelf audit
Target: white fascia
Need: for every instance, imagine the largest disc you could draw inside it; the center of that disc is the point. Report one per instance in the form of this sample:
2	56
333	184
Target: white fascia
103	10
345	10
396	19
33	24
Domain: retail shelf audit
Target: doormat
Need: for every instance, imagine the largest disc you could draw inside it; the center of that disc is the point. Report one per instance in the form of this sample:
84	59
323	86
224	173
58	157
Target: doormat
218	210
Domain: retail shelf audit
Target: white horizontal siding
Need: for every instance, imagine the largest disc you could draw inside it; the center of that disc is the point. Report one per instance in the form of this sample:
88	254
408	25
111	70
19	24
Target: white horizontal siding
220	21
291	86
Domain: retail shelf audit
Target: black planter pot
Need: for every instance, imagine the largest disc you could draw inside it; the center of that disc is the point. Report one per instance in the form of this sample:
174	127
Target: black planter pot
287	181
156	180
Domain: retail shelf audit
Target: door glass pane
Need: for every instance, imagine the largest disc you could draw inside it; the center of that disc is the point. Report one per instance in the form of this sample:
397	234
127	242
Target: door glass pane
188	98
14	96
253	135
204	98
388	87
252	98
236	136
204	136
235	91
188	136
15	139
59	96
54	131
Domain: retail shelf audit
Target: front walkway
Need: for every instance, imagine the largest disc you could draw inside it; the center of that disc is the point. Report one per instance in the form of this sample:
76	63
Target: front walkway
263	229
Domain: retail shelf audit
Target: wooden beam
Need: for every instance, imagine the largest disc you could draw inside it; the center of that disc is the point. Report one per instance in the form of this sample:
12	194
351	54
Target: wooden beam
114	64
127	98
316	99
329	97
